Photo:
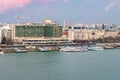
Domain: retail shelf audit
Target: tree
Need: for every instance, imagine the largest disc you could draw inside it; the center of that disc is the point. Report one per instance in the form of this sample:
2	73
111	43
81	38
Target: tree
3	40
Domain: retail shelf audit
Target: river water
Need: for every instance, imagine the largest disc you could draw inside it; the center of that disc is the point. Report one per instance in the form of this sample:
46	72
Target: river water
92	65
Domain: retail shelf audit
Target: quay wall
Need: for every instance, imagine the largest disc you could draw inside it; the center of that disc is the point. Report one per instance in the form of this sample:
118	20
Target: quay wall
34	48
109	44
9	50
52	47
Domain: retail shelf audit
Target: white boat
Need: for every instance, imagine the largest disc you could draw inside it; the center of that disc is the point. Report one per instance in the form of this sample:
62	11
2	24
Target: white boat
73	49
17	50
108	47
118	46
95	48
43	49
1	51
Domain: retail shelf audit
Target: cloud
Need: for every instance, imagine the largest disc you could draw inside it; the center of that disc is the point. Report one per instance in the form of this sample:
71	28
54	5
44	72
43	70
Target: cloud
50	1
47	1
12	4
6	5
110	6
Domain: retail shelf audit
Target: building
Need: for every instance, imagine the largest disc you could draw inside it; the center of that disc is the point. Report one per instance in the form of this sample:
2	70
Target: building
7	33
111	33
0	35
43	32
84	32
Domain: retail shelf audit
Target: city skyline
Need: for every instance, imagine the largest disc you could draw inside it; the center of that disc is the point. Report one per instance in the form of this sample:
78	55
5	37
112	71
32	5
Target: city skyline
82	11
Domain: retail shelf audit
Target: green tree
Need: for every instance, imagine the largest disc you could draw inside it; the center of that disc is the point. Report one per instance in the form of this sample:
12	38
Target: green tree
3	40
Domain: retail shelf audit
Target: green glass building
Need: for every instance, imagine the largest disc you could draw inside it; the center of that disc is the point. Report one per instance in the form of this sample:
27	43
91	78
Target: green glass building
38	30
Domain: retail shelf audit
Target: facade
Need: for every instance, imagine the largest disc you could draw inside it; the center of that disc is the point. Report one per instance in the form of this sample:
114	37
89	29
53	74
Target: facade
111	33
7	33
84	33
0	35
37	31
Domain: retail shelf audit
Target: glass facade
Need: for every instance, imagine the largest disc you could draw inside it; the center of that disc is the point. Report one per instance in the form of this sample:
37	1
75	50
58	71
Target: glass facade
38	31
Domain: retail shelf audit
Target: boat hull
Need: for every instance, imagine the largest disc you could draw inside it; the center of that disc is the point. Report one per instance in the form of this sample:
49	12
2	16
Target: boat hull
1	53
20	50
73	49
46	49
95	48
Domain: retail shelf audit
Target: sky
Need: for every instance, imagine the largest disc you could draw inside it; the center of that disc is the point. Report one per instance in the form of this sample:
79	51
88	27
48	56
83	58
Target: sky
72	11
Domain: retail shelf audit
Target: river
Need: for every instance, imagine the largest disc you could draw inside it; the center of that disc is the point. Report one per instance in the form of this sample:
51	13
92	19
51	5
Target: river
91	65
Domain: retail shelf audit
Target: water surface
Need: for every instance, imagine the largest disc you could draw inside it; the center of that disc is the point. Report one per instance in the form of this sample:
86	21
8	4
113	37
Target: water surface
92	65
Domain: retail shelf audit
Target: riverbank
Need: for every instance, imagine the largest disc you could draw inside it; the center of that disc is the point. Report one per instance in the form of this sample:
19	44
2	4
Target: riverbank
52	47
28	49
108	44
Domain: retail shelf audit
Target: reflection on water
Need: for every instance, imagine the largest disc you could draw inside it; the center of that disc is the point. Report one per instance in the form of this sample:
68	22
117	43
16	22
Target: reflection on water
92	65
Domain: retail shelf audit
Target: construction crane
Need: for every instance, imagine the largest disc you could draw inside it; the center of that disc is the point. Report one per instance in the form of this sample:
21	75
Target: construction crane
18	19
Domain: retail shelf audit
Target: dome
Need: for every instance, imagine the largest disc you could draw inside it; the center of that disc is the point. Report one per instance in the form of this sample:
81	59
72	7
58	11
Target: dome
47	21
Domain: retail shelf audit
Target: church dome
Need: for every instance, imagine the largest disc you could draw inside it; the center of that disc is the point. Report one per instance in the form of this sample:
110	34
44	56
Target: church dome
47	21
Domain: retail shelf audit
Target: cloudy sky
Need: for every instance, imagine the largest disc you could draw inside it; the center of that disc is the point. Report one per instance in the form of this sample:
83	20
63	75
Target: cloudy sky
75	11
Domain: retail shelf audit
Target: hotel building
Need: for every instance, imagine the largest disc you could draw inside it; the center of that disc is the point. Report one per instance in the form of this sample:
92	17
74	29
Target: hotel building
37	33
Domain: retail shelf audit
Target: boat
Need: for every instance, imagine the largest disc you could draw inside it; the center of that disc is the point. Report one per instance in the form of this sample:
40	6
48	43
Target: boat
118	46
43	49
108	47
17	50
73	49
1	51
95	48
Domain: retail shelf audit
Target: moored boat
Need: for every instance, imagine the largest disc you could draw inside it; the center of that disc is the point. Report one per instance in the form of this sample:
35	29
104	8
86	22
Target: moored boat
108	47
95	48
118	46
43	49
1	51
17	50
73	49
